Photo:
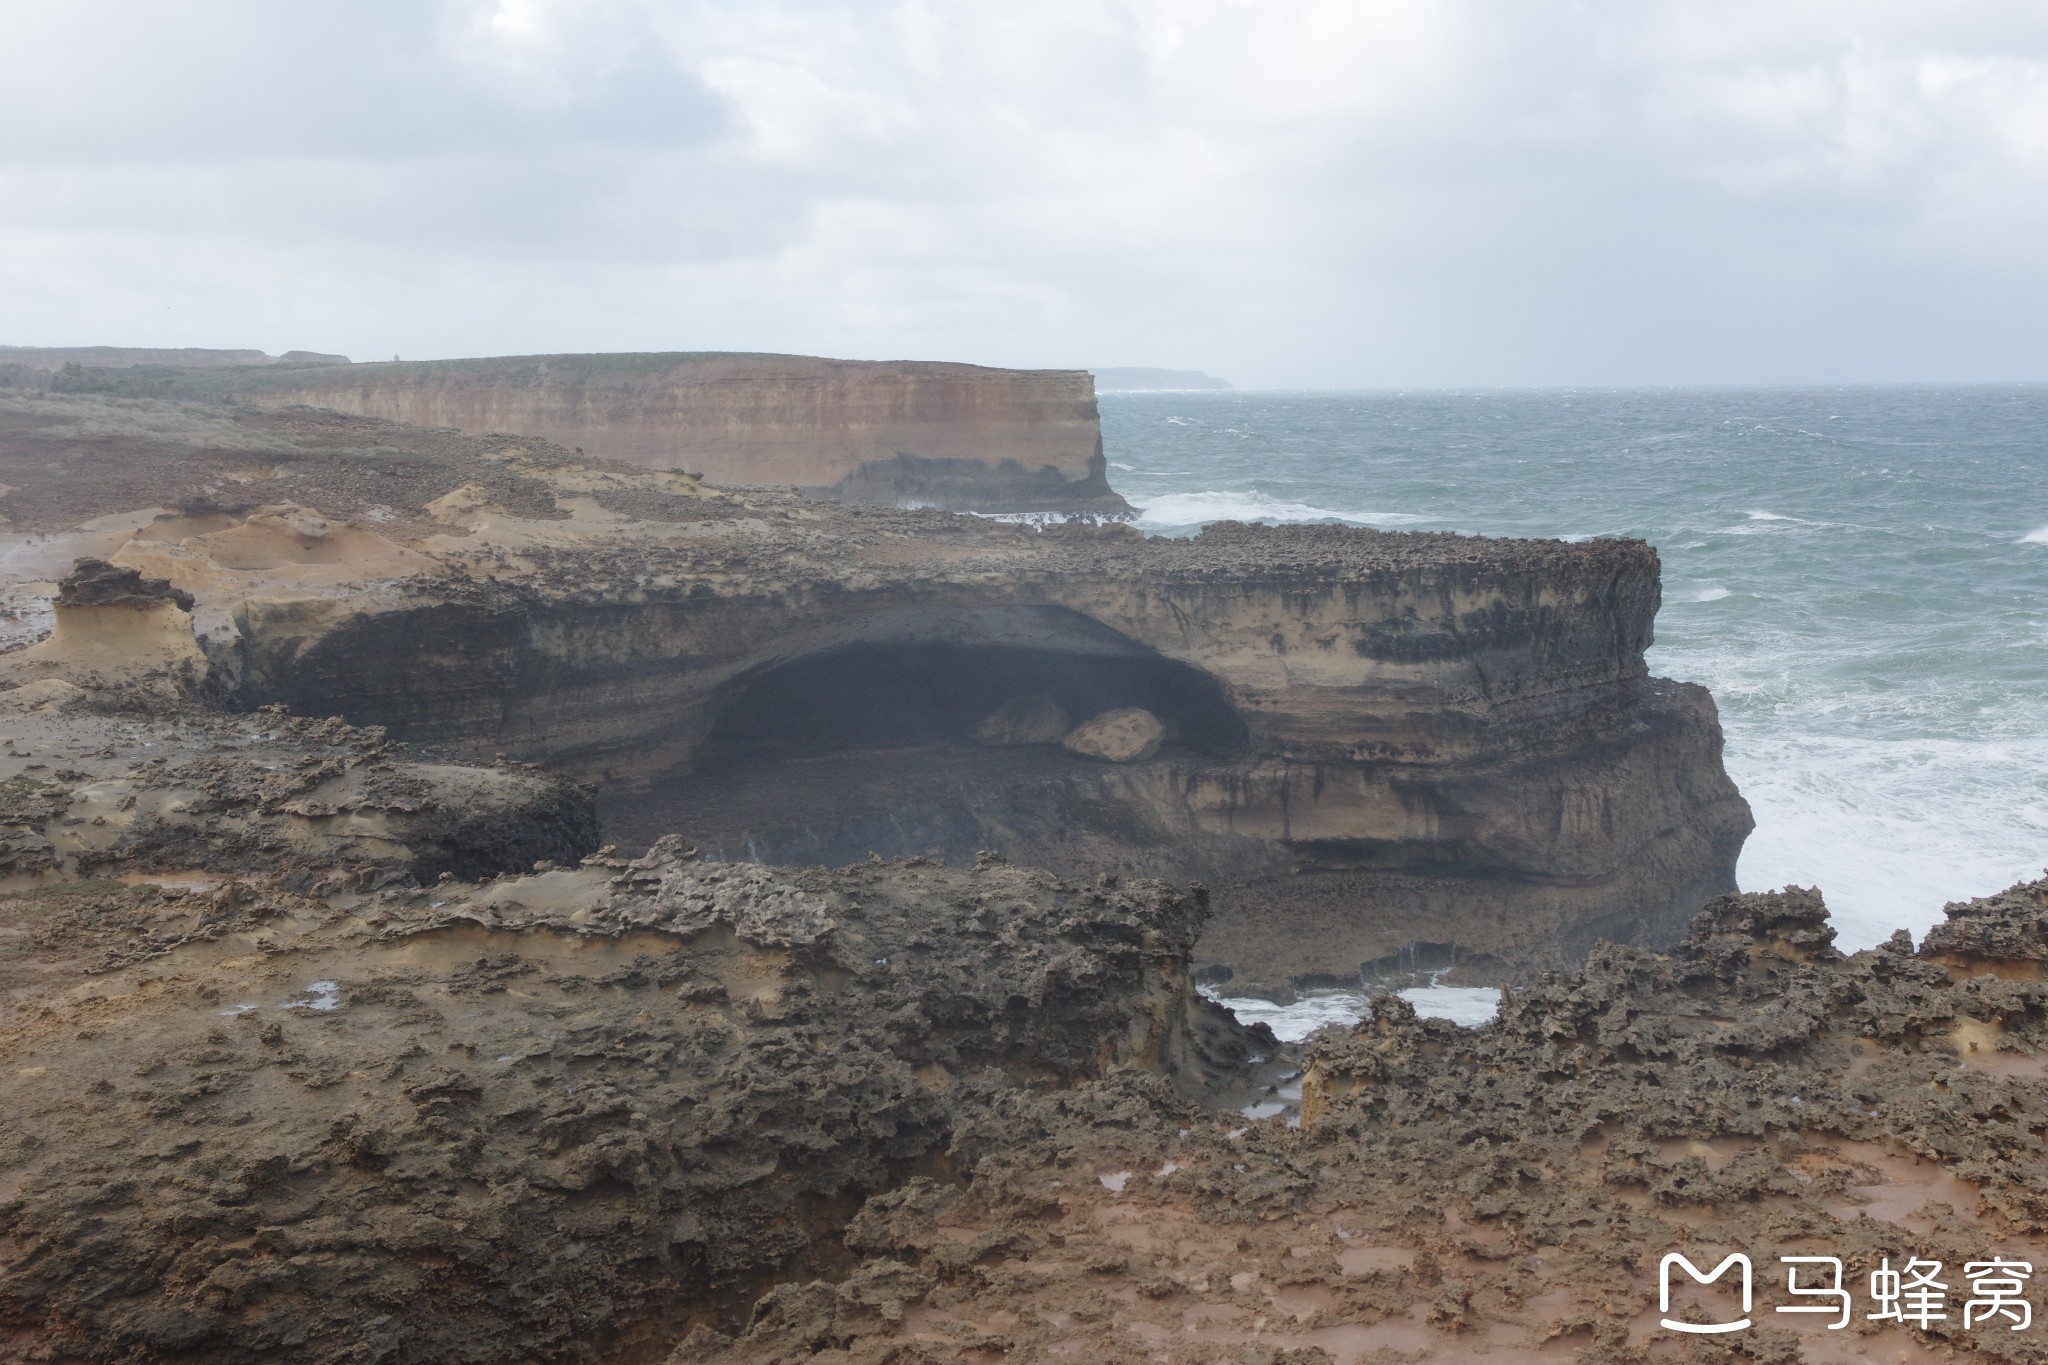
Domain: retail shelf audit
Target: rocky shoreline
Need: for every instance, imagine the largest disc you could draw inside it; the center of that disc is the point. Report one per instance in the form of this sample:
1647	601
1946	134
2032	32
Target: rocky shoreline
462	900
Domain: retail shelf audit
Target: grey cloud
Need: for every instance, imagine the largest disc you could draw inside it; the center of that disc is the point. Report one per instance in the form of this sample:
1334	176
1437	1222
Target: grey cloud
1300	191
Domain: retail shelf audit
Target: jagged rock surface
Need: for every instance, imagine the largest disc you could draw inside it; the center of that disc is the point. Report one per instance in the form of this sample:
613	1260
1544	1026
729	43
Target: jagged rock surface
94	785
1507	1192
559	1117
96	583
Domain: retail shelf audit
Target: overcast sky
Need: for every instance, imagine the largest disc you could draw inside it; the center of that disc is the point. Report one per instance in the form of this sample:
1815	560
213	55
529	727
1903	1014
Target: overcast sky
1282	192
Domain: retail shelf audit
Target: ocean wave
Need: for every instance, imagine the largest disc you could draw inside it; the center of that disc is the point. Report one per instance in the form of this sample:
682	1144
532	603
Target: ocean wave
1889	829
2036	537
1770	516
1465	1006
1710	594
1194	509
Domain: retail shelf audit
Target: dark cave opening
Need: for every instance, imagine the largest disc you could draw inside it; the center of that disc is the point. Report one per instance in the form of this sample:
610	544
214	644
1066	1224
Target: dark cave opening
866	743
904	695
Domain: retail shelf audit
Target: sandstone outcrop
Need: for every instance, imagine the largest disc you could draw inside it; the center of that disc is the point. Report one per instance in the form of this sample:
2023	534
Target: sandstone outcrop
1375	733
1129	734
111	624
1385	751
891	432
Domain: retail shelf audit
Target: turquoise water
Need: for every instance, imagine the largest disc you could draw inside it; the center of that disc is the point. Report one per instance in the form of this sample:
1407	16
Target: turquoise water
1859	574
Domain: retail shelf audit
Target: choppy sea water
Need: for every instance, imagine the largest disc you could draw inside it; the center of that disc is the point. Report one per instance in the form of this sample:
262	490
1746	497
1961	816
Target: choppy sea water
1859	574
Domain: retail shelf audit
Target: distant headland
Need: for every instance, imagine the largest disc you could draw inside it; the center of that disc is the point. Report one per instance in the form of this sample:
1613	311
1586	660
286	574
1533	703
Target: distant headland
1138	378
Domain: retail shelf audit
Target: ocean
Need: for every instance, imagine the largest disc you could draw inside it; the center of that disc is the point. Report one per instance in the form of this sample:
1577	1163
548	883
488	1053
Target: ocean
1860	575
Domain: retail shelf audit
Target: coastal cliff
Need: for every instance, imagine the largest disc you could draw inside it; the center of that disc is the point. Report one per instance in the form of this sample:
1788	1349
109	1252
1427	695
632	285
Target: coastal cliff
893	432
1388	752
325	1041
1383	753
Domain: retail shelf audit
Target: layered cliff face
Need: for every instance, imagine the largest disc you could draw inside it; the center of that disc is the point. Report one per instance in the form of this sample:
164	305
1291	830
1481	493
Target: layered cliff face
1381	752
1381	745
892	432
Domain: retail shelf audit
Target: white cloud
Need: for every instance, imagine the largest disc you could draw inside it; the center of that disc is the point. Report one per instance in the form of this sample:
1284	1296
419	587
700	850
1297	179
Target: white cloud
1332	191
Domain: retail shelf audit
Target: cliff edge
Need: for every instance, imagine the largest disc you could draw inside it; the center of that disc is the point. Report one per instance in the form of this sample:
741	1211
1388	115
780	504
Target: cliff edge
918	433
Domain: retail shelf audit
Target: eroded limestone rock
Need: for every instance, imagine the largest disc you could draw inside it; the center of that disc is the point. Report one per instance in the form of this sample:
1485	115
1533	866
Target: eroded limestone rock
96	782
1129	734
556	1117
1514	1185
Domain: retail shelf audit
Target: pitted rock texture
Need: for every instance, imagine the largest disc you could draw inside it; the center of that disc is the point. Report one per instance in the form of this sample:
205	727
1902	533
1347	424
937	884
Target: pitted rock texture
558	1117
1507	1192
98	783
1379	739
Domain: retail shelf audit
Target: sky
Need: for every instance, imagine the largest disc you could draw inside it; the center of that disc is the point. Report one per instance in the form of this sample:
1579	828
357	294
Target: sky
1287	193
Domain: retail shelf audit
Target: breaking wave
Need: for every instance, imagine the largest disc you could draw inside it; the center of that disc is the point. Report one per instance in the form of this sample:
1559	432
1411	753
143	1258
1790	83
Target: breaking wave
1175	510
1466	1006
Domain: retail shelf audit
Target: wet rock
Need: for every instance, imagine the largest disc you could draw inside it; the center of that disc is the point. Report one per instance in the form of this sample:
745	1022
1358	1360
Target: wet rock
1032	719
1128	735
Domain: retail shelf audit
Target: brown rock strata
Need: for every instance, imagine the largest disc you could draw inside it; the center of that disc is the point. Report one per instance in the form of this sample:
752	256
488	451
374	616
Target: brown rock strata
891	432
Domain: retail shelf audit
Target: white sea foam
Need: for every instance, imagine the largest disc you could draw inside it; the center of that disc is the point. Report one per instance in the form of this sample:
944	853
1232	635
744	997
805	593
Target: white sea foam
2035	537
1468	1006
1195	509
1710	594
1292	1023
1890	830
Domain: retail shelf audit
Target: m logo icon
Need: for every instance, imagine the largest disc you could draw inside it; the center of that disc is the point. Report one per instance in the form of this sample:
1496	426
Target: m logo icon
1699	1277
